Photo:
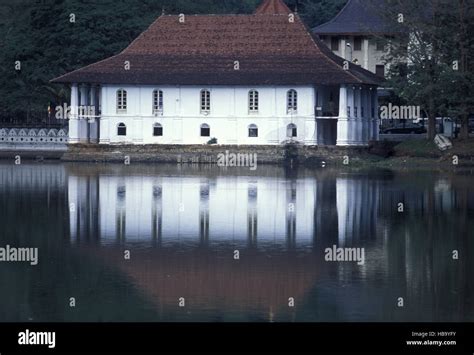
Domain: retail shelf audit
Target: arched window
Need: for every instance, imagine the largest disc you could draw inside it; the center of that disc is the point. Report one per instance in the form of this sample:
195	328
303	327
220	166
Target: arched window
253	131
121	129
205	101
291	130
253	101
157	101
292	101
157	130
205	130
121	100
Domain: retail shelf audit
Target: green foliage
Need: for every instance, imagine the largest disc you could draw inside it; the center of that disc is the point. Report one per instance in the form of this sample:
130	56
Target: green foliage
40	34
435	35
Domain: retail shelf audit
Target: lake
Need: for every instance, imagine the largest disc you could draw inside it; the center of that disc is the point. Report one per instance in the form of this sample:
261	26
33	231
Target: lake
152	243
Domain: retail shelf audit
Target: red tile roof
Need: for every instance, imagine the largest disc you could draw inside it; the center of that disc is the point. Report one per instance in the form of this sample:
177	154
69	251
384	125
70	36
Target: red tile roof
203	50
271	7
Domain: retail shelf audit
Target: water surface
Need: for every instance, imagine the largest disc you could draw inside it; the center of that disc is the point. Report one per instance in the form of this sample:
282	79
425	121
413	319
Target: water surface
182	226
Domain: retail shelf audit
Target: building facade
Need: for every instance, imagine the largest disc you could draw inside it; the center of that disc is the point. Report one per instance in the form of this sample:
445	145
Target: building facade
260	79
357	34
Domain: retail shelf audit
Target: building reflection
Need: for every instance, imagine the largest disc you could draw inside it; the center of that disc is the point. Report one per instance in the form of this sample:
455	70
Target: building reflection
183	225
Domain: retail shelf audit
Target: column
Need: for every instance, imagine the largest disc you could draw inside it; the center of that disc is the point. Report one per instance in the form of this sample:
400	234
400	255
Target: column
351	117
366	53
365	114
104	135
358	116
83	121
369	115
343	119
376	121
73	119
93	121
343	47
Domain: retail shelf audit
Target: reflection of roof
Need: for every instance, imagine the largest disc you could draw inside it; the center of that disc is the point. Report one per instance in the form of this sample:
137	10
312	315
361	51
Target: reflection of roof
357	17
206	279
270	49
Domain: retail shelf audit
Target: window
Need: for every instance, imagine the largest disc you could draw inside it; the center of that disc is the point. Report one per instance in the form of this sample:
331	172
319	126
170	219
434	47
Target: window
356	111
253	101
348	111
334	43
205	101
205	130
291	131
157	130
253	131
357	43
121	129
380	71
292	101
380	45
121	100
157	101
362	111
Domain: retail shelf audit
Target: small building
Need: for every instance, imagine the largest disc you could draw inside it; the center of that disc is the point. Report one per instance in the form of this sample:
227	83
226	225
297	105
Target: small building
258	79
357	34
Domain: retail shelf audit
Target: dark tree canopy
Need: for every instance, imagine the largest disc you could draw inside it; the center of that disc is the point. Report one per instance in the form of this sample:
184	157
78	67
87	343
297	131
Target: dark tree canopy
48	38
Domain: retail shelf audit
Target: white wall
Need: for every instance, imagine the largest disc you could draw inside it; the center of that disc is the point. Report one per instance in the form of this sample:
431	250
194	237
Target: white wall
229	117
367	58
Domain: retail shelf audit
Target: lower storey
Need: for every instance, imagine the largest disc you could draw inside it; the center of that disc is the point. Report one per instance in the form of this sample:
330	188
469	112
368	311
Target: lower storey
229	131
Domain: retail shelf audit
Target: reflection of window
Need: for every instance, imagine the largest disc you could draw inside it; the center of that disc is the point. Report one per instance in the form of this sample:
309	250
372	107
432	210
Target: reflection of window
334	43
157	130
292	131
121	193
357	43
121	129
252	193
205	130
253	131
205	101
253	101
204	192
157	191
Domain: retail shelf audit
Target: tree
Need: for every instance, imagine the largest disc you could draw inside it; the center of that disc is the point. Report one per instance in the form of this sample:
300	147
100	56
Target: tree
431	59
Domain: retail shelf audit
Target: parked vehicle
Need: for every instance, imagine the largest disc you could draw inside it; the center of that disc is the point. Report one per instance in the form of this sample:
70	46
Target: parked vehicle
407	128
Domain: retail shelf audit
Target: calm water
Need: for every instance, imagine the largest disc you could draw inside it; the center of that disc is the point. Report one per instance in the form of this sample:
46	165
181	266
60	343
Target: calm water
183	224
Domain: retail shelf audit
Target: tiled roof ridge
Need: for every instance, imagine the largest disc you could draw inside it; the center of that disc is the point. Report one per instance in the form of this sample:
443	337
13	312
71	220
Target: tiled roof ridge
272	7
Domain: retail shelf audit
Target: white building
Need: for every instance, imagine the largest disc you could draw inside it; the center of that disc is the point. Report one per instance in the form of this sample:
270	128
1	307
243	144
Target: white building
259	79
358	34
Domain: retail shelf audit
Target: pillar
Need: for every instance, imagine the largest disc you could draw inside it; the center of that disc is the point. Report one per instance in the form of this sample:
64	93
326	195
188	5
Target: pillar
343	120
104	134
83	121
365	48
370	126
375	122
94	121
73	119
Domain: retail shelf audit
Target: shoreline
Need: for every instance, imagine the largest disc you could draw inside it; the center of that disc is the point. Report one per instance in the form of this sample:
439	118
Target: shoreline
409	154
